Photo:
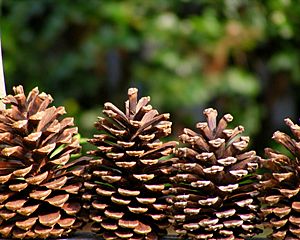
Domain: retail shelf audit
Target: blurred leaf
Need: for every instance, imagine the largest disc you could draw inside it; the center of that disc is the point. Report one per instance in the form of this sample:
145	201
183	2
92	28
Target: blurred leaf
241	82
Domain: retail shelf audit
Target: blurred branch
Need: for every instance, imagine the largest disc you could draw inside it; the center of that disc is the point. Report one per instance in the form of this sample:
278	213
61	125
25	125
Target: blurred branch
2	81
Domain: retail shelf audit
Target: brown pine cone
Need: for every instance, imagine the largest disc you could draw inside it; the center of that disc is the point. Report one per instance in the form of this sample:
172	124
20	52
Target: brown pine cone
38	195
280	197
214	193
124	182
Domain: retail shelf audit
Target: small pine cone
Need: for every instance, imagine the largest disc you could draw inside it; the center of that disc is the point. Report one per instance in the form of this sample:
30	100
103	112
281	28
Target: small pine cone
38	195
280	196
124	182
214	192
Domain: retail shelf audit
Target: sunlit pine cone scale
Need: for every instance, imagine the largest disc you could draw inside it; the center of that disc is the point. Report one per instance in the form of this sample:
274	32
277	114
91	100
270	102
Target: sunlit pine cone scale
214	192
123	182
280	196
38	195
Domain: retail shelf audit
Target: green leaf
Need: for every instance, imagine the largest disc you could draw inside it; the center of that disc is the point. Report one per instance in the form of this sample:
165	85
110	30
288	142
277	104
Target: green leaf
241	82
105	184
57	151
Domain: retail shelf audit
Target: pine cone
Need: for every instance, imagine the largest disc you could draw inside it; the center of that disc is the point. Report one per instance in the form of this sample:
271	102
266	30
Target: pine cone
38	196
214	186
124	182
280	186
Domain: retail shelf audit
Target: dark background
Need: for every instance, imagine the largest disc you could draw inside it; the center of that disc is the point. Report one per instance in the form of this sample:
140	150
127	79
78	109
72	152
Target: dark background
238	56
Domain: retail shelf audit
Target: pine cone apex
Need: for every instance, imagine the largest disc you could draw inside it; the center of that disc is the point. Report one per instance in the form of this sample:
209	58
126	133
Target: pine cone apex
210	112
132	91
295	128
277	135
286	140
289	122
19	97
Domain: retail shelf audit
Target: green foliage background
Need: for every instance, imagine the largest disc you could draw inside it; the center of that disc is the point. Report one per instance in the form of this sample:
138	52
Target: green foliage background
239	56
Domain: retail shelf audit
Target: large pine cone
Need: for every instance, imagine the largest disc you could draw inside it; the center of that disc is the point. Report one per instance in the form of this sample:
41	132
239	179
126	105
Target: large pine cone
124	182
38	196
280	186
214	186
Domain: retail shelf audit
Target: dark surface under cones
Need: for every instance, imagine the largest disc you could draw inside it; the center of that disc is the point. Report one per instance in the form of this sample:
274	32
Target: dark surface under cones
214	194
38	196
94	236
280	186
124	183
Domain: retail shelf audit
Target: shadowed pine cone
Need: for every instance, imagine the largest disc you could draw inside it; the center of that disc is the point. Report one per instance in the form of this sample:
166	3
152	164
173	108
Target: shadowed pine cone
38	196
280	186
214	186
124	182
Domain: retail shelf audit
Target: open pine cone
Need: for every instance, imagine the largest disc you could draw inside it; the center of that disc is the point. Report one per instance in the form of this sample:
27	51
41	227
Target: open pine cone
280	185
38	196
124	183
214	194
